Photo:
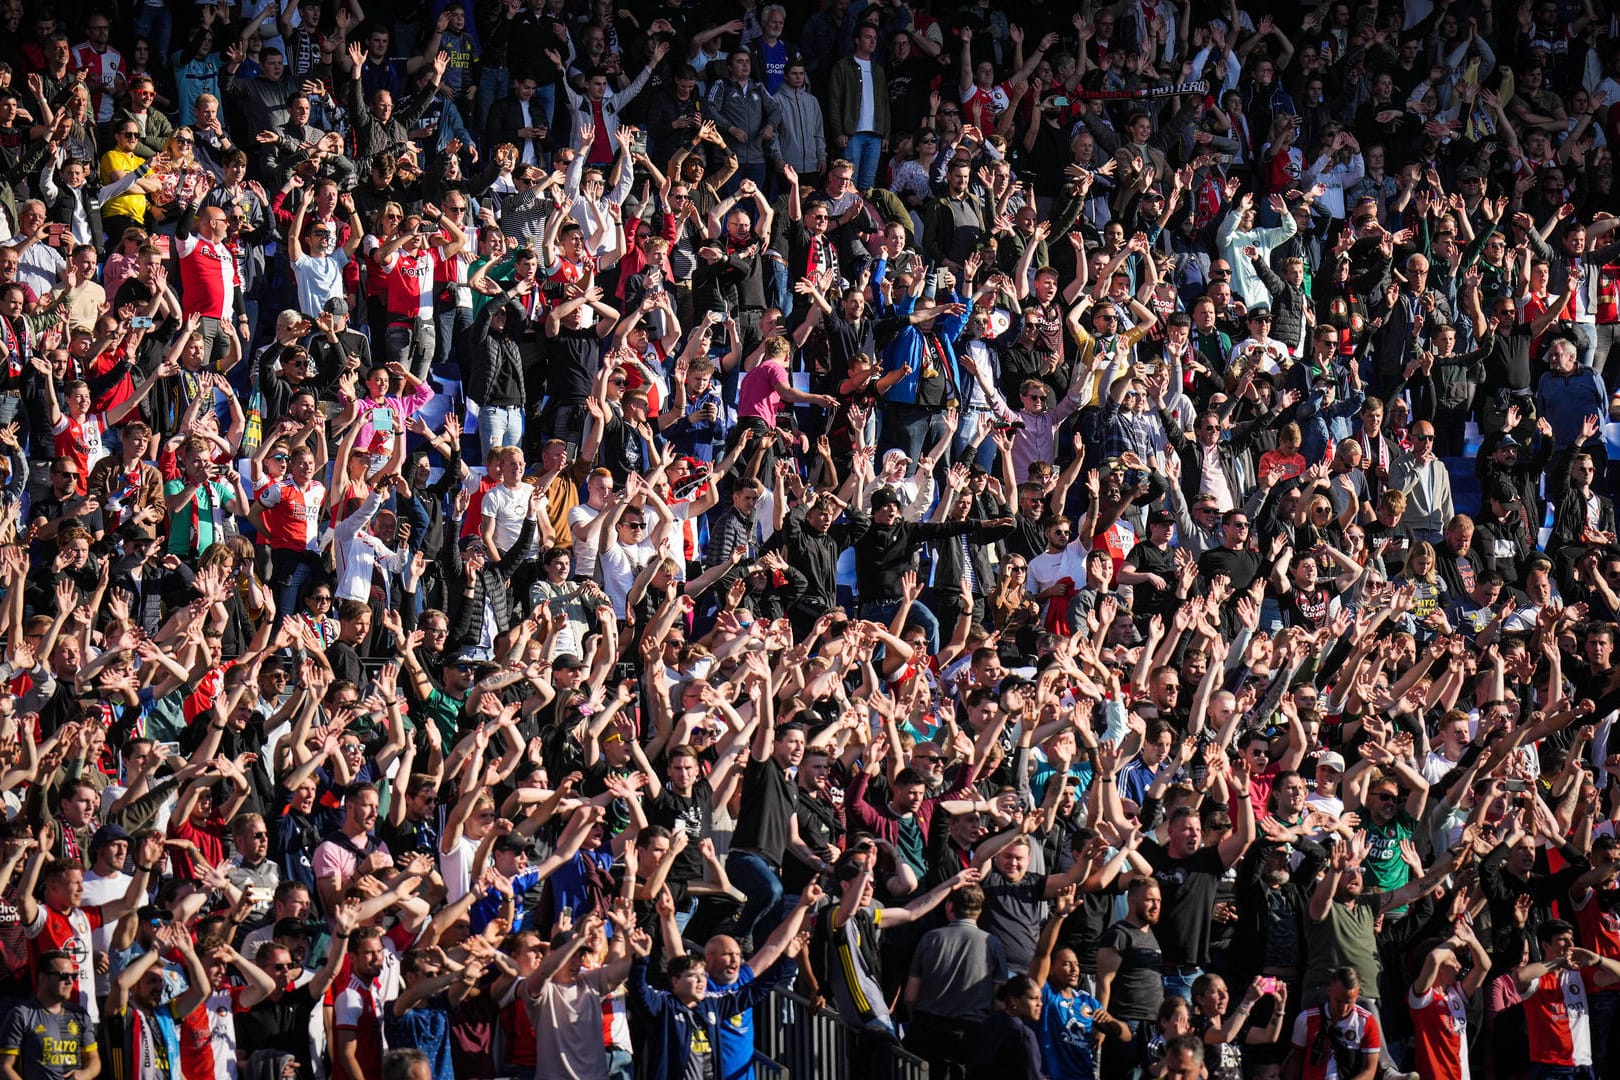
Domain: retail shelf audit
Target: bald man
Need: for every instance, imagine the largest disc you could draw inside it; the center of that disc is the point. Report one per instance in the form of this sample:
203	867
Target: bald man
723	963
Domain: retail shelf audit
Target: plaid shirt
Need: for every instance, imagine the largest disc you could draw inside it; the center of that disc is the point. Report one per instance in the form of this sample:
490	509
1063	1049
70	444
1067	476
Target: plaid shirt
1126	429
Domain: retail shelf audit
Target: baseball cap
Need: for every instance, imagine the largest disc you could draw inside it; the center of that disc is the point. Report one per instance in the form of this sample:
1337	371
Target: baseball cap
1161	517
567	662
336	305
107	834
1332	760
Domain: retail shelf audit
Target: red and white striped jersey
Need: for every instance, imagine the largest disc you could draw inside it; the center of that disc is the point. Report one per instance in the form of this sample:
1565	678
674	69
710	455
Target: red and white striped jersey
208	277
1440	1024
408	279
292	515
101	71
1319	1036
1557	1018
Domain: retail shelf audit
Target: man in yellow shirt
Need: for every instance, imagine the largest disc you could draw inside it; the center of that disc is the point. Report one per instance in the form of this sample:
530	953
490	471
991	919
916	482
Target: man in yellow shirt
1097	345
129	208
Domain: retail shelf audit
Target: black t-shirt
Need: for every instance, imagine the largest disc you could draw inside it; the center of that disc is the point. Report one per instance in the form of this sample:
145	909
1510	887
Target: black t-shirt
1083	930
1189	888
692	813
821	827
1013	911
278	1023
1137	990
768	798
1224	1061
1148	599
345	663
1309	607
572	360
1400	542
1241	567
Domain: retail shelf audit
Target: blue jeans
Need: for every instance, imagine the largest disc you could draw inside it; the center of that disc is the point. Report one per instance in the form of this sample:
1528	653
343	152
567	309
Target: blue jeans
620	1065
411	346
1180	985
865	152
450	321
291	571
778	288
494	83
1605	1018
1539	1071
763	887
911	428
884	610
1585	338
755	171
499	425
156	25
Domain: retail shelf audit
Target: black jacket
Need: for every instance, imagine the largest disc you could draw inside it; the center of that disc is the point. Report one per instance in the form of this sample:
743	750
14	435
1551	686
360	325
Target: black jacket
491	363
948	569
886	552
815	555
489	587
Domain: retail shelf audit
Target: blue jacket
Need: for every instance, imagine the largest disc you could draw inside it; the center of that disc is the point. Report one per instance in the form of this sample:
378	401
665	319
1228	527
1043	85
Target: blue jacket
1321	425
907	348
670	1024
1567	400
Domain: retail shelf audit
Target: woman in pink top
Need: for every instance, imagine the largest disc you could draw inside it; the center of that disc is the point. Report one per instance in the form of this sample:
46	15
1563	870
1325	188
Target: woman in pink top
382	413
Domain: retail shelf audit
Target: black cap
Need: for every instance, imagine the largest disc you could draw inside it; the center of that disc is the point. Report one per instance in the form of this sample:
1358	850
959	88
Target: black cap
1161	517
567	662
884	496
290	928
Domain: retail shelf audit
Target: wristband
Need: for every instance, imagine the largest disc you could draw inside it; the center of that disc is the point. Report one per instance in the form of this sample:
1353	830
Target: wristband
146	869
1245	798
341	937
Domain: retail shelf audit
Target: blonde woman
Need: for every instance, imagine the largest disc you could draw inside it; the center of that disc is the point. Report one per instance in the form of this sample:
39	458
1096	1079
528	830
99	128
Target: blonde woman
1430	599
180	180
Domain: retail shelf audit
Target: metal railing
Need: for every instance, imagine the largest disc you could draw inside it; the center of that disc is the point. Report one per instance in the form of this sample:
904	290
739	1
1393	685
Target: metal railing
807	1043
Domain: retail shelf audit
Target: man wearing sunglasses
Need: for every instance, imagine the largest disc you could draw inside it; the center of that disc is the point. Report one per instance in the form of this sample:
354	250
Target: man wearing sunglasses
1427	484
49	1035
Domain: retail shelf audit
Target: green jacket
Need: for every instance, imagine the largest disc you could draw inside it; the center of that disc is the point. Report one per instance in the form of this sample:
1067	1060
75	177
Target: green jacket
844	102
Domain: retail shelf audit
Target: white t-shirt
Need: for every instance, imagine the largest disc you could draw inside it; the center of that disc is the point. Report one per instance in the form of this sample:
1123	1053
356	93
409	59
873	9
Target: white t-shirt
100	890
508	507
1047	569
454	867
864	120
584	551
222	1032
620	565
319	279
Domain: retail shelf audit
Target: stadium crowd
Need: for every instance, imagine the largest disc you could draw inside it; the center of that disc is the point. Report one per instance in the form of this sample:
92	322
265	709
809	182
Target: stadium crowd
535	535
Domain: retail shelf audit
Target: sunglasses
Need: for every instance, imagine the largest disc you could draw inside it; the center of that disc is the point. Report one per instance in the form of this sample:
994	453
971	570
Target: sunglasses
1423	438
65	976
